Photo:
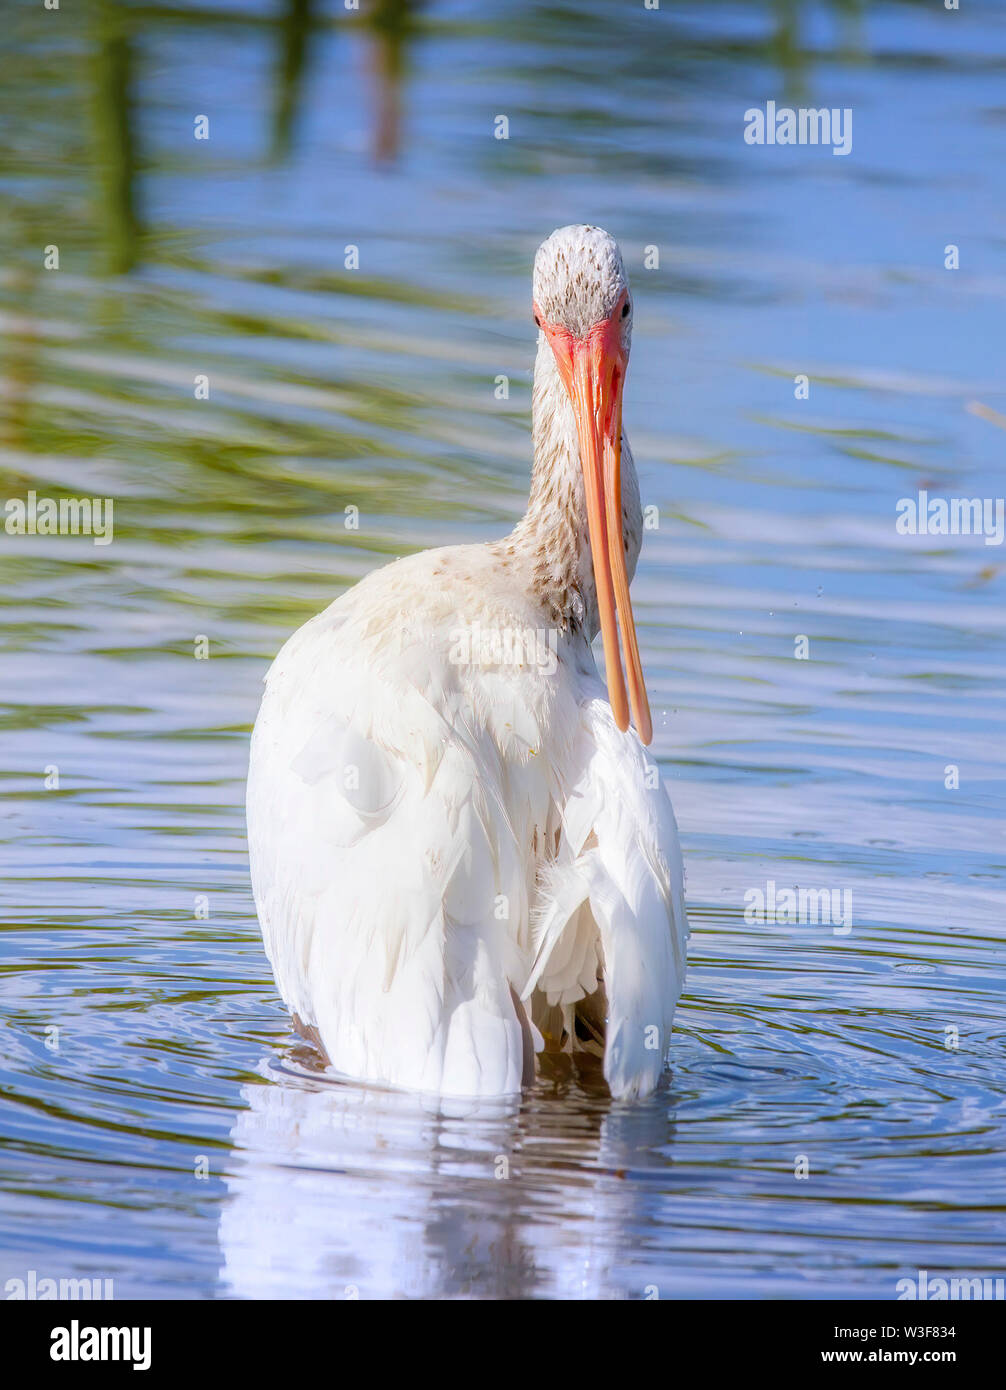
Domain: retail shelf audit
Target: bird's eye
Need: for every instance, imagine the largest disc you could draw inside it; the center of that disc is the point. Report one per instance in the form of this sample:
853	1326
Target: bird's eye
625	310
537	320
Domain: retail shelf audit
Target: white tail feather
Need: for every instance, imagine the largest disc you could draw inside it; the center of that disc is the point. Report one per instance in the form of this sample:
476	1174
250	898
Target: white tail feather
620	854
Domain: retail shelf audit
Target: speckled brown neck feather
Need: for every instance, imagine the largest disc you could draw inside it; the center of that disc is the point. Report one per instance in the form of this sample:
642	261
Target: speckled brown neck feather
551	541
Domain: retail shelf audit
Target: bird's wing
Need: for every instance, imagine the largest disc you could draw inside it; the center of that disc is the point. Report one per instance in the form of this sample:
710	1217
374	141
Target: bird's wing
389	879
614	896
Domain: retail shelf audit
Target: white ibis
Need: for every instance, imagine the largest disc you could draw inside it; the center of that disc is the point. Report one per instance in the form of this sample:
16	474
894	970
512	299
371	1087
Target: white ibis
460	851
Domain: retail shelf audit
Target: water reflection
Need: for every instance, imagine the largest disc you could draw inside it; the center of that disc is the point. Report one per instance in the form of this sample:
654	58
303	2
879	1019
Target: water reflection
115	160
294	34
116	103
342	1191
796	58
392	25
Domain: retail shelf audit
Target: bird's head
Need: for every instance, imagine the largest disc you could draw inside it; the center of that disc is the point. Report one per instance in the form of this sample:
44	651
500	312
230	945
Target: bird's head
583	307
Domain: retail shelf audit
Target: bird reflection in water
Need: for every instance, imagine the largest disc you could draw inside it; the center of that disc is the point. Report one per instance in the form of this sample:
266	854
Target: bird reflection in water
343	1191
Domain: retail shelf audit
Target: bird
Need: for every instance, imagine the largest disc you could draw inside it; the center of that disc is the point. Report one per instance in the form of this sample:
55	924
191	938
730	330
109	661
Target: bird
462	854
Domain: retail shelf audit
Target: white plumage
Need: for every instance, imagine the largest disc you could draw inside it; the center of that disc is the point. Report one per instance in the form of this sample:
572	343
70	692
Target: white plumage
458	856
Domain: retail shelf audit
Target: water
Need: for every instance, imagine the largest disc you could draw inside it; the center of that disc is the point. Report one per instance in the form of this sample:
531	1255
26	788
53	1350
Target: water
374	388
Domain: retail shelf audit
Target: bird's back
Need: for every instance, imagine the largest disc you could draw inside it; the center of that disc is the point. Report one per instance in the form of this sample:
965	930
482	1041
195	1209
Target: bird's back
420	771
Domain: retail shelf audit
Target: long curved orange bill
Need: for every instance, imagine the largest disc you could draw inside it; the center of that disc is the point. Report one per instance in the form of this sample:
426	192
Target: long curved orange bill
593	371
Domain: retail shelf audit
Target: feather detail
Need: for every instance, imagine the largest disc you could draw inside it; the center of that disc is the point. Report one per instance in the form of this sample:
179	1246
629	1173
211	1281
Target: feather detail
619	882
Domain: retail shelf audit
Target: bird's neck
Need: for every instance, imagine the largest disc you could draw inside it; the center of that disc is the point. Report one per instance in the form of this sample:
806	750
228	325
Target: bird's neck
552	541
